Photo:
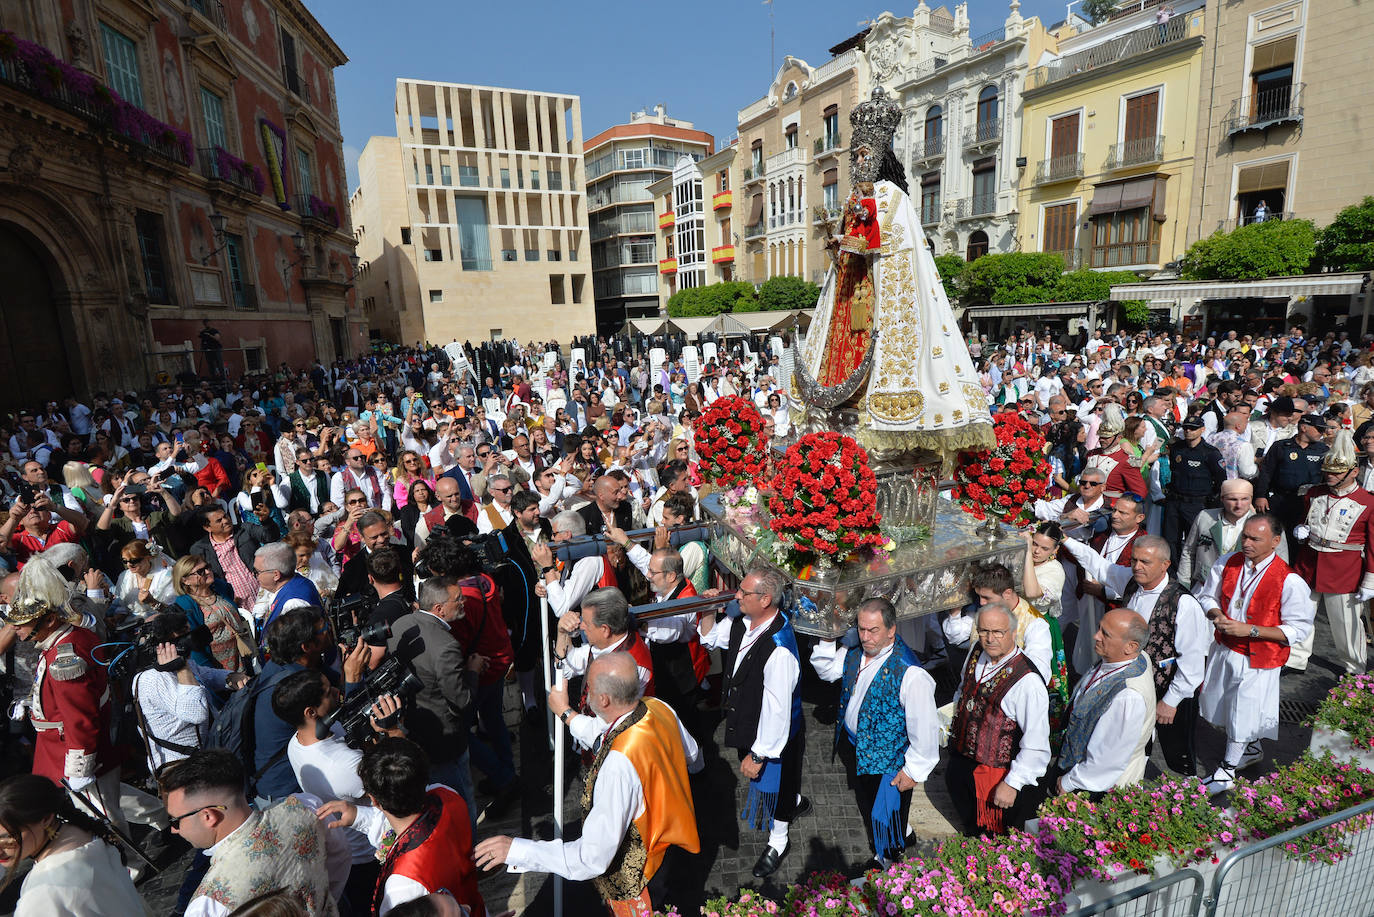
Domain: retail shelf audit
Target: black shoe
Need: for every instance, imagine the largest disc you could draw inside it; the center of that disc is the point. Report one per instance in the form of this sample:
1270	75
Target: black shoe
873	864
769	860
803	808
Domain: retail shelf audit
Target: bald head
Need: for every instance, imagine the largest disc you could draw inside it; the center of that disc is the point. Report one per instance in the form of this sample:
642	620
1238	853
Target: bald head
1120	635
613	685
606	489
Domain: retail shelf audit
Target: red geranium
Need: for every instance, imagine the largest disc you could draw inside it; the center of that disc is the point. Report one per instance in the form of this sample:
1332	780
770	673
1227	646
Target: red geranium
824	501
1019	473
730	442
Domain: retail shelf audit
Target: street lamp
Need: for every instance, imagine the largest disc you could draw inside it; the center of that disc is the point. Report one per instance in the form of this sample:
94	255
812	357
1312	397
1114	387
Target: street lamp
218	223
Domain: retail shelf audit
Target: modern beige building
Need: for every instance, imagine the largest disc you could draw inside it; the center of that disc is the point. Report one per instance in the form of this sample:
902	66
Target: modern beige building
1108	132
961	131
622	162
791	164
1281	122
696	229
470	221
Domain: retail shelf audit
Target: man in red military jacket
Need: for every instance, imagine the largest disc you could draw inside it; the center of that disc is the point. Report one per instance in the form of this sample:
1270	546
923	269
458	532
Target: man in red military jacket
1335	556
69	705
1121	467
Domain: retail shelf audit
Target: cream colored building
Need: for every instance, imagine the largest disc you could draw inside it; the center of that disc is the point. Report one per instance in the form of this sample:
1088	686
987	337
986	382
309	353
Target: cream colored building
791	164
471	220
1109	134
622	162
696	229
961	131
1281	121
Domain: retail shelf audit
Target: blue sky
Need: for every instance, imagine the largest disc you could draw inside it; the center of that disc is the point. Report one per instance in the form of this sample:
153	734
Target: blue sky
704	60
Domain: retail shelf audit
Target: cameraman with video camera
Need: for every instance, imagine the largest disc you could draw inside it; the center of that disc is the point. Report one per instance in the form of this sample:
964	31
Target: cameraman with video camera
443	709
171	706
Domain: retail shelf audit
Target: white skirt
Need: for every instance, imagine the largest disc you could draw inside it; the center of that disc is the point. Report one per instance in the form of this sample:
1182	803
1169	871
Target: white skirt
1242	700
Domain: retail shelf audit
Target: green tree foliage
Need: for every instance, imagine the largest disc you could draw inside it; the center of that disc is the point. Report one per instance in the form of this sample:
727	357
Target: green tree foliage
734	296
780	293
1135	313
951	267
1084	285
1274	248
1007	279
1097	10
1348	243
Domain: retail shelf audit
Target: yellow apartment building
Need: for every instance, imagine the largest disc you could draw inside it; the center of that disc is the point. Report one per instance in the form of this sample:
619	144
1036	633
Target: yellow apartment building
471	221
1281	121
1109	134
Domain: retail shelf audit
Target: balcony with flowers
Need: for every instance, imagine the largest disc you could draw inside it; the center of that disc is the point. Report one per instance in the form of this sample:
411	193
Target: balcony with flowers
36	71
722	199
666	220
667	266
722	254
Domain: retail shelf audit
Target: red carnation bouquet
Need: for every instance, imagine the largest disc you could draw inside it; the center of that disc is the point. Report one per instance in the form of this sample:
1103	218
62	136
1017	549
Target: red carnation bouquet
1005	479
824	499
730	442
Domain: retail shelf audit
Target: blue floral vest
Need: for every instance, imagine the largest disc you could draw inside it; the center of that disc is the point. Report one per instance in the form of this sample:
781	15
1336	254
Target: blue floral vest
882	740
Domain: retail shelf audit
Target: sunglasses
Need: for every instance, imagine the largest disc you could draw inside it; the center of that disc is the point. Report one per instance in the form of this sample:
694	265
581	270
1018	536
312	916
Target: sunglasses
176	820
499	490
133	561
199	571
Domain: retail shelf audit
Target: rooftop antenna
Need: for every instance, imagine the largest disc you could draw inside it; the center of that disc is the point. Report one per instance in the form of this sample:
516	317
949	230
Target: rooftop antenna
772	39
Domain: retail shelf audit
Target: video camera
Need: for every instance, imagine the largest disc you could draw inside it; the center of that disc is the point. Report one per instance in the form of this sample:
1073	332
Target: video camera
350	616
142	638
354	714
448	554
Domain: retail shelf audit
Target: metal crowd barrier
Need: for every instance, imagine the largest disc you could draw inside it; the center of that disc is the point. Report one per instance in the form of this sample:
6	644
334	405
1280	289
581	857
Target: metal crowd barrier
1259	880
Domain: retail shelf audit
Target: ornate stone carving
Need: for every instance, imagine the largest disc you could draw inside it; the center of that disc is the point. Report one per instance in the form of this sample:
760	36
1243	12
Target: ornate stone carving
882	58
171	81
24	163
79	45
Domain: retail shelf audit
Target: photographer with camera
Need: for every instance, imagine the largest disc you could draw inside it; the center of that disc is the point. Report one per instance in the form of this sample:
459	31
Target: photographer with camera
171	706
297	641
30	528
443	708
327	767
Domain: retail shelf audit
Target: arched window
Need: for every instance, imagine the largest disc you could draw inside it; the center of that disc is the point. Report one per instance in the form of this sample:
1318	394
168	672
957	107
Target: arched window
935	131
987	104
977	246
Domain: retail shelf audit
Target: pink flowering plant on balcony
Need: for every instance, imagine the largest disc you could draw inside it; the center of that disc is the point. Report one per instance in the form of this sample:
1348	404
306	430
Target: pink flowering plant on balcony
977	877
1349	708
1304	791
1134	827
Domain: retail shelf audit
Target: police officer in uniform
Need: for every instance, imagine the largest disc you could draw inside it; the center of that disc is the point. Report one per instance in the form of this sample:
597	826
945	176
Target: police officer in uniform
1197	470
1289	468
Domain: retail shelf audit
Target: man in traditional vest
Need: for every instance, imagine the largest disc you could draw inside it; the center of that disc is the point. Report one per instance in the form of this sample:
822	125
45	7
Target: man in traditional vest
1113	711
251	851
1259	608
451	505
567	586
680	662
283	588
606	625
310	483
761	696
431	847
888	733
1083	514
637	802
1115	544
999	740
994	583
1336	557
1178	641
497	514
1216	532
358	473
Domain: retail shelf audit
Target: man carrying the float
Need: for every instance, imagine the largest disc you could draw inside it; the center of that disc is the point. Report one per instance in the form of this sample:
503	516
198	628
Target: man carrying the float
999	741
1258	608
1179	637
761	696
888	735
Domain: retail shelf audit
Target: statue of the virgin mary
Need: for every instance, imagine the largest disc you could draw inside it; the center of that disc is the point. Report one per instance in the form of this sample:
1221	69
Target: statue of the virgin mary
884	347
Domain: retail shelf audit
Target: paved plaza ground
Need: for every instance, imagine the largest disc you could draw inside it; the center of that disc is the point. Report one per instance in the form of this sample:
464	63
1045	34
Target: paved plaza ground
831	837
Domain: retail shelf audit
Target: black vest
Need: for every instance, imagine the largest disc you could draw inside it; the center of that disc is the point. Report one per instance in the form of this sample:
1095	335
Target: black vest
1163	628
742	691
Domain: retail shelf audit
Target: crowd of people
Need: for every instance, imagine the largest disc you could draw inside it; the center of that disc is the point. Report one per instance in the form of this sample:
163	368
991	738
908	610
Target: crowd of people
285	614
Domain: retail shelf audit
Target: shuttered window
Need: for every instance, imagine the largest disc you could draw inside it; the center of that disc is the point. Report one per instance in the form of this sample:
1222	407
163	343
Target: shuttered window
1064	136
121	65
1142	116
213	108
1061	224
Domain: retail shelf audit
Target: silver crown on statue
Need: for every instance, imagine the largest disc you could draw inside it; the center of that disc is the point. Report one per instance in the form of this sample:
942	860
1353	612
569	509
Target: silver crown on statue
875	122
